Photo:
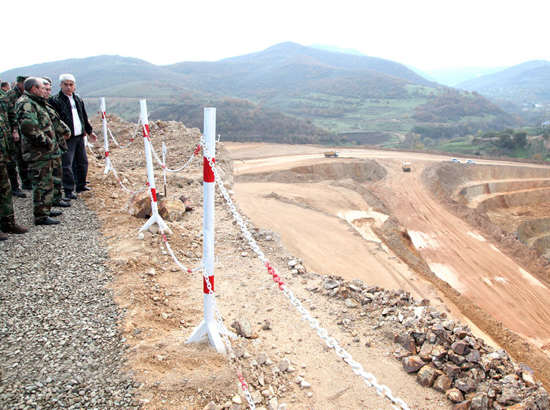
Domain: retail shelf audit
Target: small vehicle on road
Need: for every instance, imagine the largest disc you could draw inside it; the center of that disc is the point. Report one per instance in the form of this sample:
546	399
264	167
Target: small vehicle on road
470	161
455	160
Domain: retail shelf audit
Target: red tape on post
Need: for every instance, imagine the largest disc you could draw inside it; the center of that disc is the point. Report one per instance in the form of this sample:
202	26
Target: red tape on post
205	284
154	194
208	172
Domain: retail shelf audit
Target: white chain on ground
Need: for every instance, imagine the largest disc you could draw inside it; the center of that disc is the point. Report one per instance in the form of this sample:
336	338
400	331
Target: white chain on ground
219	319
331	342
132	138
226	338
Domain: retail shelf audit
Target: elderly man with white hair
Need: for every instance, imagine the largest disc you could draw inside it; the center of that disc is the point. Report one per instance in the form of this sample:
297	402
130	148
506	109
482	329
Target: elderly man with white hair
70	108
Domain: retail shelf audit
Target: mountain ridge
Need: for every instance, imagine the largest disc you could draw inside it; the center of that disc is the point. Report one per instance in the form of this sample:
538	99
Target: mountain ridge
325	96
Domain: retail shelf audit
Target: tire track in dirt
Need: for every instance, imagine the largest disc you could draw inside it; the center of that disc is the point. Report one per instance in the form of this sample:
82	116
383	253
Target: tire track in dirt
477	269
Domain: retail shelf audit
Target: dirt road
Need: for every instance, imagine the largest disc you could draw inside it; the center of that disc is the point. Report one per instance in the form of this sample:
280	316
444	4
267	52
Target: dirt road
455	252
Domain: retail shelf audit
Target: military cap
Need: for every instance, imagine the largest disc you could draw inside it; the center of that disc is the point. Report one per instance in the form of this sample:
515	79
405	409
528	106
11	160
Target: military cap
21	78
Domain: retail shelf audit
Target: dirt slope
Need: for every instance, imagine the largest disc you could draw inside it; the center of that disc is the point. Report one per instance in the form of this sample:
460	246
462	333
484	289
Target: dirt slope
163	304
327	224
456	252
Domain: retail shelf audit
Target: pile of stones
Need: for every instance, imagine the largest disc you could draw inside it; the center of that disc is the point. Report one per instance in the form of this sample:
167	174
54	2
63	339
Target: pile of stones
444	354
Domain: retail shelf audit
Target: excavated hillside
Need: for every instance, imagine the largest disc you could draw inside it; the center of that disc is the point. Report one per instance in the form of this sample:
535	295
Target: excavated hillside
482	273
333	230
505	202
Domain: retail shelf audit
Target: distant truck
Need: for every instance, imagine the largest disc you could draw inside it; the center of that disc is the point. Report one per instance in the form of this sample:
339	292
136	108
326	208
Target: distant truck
331	154
406	166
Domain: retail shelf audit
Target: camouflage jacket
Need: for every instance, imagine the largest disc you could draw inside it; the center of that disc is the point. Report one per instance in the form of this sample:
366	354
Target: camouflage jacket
61	129
14	94
38	140
7	124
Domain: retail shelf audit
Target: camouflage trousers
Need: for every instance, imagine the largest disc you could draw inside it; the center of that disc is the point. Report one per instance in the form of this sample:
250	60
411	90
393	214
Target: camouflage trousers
57	177
22	165
6	204
40	174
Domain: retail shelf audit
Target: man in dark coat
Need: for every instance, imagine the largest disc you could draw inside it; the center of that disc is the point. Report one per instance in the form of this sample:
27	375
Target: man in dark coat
72	112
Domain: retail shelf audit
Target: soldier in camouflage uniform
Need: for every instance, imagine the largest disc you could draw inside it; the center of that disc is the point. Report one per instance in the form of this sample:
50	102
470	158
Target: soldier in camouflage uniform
8	129
14	94
38	143
63	132
7	217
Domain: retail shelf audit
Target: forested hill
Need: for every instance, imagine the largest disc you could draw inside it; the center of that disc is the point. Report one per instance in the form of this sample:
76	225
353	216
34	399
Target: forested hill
525	83
290	68
286	93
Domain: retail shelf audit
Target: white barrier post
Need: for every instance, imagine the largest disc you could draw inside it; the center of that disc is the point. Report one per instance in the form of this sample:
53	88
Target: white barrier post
105	136
155	217
209	326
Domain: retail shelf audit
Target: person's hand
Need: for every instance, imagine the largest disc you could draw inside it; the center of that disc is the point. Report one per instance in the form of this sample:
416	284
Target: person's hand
92	137
67	136
15	135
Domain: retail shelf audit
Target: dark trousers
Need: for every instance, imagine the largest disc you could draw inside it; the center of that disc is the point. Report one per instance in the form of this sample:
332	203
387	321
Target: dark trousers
75	164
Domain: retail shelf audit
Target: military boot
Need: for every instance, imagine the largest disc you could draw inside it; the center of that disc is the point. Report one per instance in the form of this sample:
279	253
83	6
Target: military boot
8	225
17	192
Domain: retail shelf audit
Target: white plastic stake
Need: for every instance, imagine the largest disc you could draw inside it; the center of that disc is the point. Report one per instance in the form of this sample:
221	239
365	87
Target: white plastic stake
209	325
155	217
105	136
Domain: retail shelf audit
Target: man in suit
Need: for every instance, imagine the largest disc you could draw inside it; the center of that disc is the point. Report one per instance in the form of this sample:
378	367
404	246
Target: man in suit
72	112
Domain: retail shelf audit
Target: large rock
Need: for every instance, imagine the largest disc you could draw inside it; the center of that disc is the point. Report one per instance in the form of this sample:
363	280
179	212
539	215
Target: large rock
242	327
139	205
454	395
442	383
171	210
426	376
412	364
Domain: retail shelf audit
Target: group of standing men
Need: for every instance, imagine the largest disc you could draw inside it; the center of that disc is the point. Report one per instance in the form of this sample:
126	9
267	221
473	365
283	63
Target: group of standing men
42	138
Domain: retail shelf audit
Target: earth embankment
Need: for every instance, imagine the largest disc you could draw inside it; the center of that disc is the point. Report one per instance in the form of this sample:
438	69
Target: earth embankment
507	202
482	272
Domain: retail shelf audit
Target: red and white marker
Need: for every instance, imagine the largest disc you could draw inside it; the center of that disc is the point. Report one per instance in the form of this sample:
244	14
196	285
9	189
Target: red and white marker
105	136
209	325
155	217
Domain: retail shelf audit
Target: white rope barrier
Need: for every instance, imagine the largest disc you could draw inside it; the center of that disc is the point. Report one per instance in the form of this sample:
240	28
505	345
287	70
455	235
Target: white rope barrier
132	138
331	342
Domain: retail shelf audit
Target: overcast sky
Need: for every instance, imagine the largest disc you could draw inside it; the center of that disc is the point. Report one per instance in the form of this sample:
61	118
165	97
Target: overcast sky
426	34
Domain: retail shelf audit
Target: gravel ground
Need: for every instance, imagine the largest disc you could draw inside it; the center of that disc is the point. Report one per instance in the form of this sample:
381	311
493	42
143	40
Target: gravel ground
59	342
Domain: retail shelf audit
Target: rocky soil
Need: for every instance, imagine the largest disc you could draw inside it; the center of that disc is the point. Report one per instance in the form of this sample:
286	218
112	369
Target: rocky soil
97	317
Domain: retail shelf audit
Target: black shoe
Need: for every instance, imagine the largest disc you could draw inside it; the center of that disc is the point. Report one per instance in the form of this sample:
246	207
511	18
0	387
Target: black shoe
47	221
55	213
26	187
61	203
66	199
3	236
83	189
70	195
18	193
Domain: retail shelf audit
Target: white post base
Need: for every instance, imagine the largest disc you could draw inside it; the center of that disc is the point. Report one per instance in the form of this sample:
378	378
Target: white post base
107	165
213	330
156	218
